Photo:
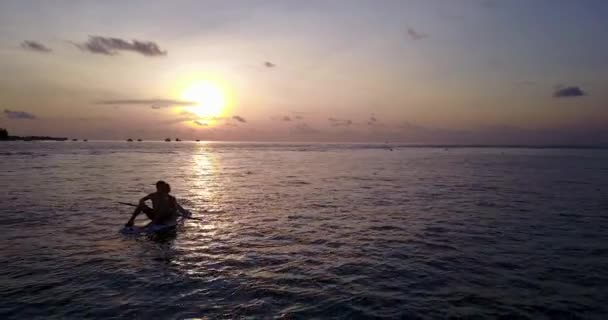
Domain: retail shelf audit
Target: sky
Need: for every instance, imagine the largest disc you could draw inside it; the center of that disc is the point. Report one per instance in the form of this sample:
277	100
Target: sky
411	71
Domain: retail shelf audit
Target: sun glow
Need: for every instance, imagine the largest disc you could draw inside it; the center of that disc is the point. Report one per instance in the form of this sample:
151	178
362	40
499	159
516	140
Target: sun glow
209	99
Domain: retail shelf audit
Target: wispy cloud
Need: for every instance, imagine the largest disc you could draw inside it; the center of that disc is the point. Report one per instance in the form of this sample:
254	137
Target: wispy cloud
19	115
339	122
416	35
269	64
153	103
200	124
284	118
569	92
239	119
372	120
179	120
35	46
111	46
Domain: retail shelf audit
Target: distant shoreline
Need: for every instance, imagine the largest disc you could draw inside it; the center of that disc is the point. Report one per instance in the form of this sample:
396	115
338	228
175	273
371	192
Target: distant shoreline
33	138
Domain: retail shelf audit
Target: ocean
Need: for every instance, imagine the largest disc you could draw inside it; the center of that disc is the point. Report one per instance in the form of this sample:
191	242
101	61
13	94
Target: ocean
301	231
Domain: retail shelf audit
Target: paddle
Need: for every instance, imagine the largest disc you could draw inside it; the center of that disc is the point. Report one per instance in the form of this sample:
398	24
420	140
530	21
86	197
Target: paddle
134	205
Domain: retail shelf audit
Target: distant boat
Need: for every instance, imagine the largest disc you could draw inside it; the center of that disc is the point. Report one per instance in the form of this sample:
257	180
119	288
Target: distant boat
129	140
139	140
85	140
168	140
177	139
197	140
74	139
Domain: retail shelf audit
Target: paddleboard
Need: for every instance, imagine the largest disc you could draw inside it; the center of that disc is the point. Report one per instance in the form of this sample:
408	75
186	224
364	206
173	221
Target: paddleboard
152	229
148	229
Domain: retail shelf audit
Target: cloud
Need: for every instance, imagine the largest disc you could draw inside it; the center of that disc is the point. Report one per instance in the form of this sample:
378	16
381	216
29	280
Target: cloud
187	113
269	64
569	92
339	122
239	119
304	129
416	35
177	120
35	46
372	121
285	118
153	103
19	115
111	46
200	124
299	117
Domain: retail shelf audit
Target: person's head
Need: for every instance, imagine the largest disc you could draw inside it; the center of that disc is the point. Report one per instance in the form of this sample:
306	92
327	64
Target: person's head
160	186
167	188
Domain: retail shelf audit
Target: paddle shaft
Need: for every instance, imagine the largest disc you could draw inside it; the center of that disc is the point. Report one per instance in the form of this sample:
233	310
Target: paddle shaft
128	204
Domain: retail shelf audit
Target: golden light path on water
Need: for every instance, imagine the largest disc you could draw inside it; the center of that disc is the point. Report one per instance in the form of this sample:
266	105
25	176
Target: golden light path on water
206	195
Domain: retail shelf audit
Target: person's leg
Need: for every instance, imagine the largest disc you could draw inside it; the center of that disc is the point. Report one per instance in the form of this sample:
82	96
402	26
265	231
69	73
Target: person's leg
149	212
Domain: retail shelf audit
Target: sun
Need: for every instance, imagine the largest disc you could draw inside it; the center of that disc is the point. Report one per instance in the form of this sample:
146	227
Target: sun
209	99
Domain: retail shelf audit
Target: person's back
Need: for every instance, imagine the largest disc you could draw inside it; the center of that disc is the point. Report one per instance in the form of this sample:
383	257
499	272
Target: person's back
165	206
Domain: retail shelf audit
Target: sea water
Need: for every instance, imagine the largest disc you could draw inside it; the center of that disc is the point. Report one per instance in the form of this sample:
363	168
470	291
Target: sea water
305	230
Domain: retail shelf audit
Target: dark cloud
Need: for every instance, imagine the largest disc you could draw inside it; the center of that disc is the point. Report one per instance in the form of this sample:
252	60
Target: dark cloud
35	46
283	118
200	124
111	46
416	35
569	92
298	115
374	122
153	103
304	129
239	119
269	64
339	122
19	115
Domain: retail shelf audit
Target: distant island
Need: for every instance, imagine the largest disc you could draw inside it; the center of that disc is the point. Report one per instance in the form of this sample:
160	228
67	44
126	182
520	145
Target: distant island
4	136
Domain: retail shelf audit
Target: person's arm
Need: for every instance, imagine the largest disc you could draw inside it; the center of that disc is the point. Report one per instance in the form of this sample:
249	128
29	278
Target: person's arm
181	209
138	209
146	198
